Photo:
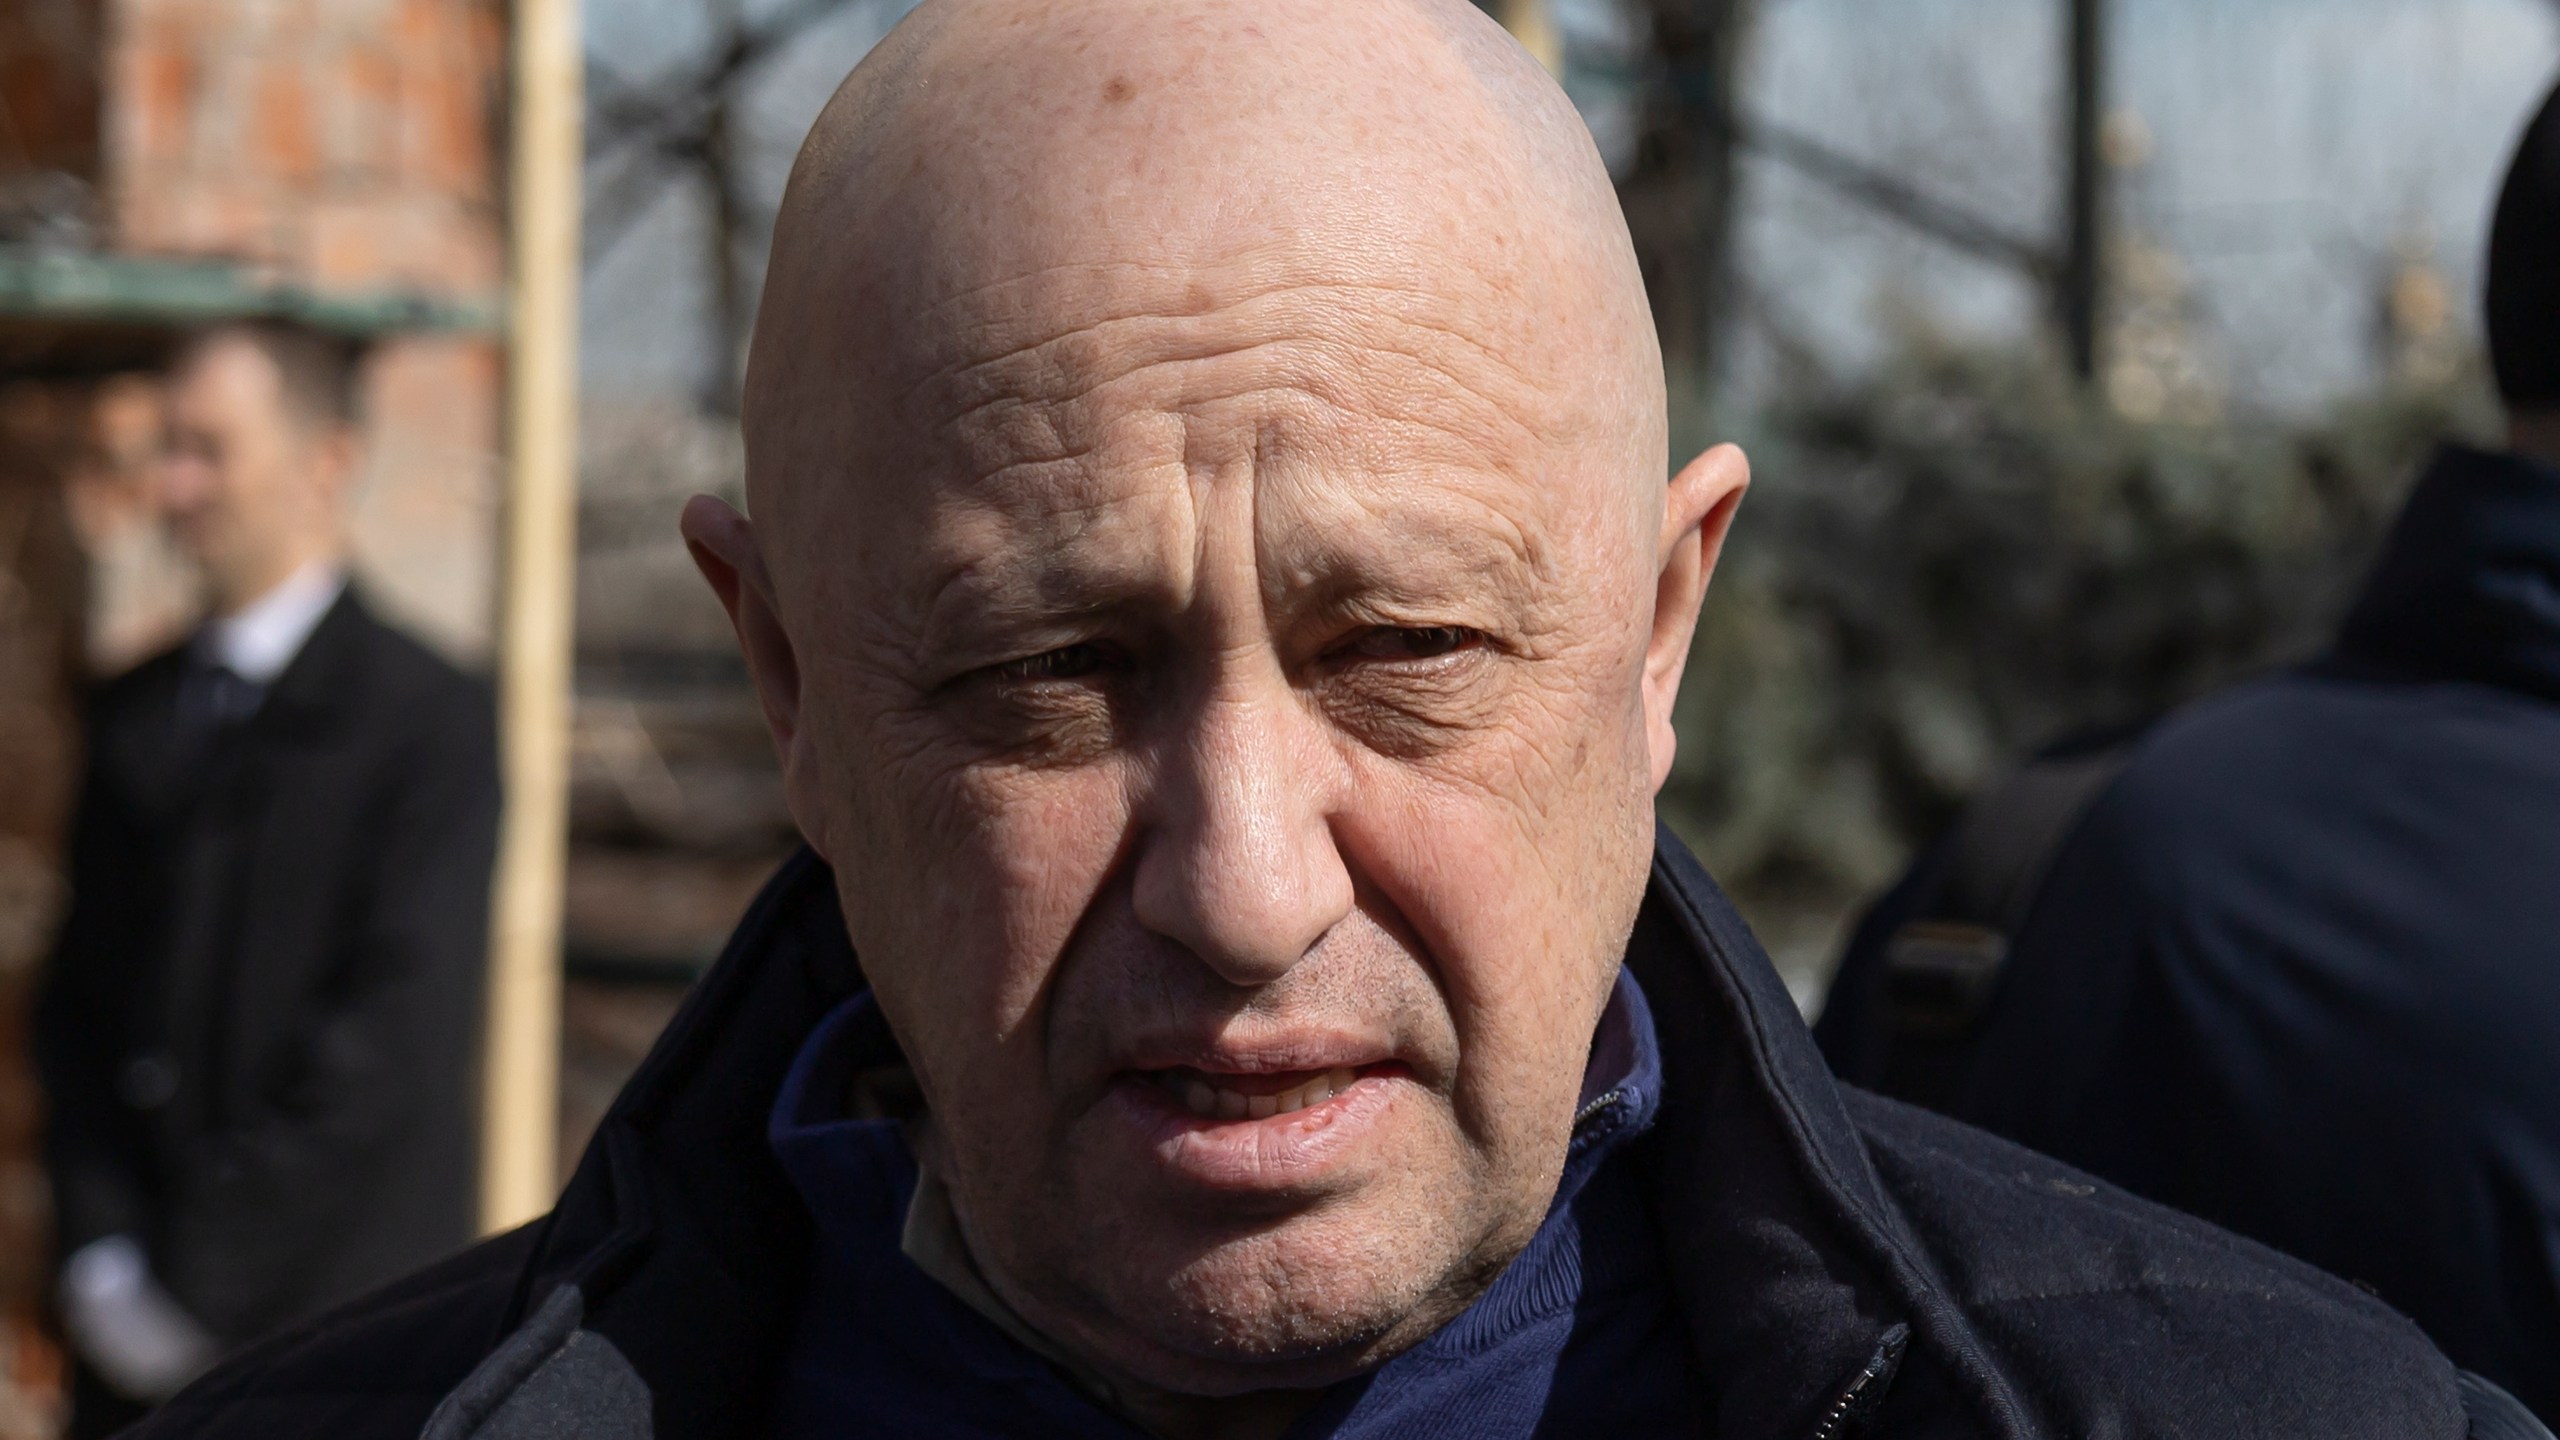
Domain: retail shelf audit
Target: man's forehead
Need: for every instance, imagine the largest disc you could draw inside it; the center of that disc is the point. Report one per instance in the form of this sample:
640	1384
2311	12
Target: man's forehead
956	287
229	362
1284	362
1354	261
1050	235
982	558
1008	140
1293	419
1005	379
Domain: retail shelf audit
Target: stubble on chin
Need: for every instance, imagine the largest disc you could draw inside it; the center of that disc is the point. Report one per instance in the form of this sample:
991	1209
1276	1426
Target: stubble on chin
1300	1302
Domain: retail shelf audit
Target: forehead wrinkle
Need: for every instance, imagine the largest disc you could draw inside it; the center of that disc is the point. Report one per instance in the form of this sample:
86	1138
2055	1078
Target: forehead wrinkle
987	307
1040	356
1012	440
1338	570
1030	408
1010	307
1444	503
987	576
1389	440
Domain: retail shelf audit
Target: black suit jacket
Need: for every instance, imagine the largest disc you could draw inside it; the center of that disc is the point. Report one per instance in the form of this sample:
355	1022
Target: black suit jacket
260	1030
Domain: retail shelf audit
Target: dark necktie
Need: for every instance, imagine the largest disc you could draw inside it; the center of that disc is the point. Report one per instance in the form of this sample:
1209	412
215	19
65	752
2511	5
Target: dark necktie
215	698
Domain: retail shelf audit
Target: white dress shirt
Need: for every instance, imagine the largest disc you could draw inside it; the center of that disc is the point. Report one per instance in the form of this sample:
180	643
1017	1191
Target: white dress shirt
258	641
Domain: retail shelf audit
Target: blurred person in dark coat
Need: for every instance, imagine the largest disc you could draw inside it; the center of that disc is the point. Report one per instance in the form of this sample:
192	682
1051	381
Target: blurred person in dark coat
259	1030
2296	965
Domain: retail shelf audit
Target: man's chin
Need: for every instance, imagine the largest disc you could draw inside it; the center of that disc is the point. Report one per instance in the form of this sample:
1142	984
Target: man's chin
1226	1259
1239	1351
1302	1304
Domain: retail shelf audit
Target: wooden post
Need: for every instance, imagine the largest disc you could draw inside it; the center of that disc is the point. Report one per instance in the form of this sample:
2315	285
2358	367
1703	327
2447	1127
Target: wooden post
519	1167
1530	23
2081	282
1679	194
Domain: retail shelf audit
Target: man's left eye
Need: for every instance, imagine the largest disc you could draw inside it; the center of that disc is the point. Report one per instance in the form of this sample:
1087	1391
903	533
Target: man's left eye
1067	662
1409	642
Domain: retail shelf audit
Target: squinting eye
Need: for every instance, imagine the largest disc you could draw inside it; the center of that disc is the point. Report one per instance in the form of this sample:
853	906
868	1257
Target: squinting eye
1420	642
1067	662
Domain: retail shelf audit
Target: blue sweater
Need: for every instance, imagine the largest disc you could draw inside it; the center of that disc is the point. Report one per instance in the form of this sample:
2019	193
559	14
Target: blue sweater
1579	1336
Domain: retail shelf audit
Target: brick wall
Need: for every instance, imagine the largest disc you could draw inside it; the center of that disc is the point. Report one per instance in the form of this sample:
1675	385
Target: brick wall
49	54
350	141
351	145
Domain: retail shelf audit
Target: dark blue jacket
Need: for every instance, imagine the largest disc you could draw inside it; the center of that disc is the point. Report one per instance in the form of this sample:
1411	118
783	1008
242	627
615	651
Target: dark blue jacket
1845	1265
2298	970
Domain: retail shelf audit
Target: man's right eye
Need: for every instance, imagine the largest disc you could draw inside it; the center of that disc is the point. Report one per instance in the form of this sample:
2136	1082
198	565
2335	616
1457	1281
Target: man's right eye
1059	707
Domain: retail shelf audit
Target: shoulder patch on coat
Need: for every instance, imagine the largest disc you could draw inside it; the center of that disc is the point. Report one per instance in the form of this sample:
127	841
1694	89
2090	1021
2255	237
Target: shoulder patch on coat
551	1380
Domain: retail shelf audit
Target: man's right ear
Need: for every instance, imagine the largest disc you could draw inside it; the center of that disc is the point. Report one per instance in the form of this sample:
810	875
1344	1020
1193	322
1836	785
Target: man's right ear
723	546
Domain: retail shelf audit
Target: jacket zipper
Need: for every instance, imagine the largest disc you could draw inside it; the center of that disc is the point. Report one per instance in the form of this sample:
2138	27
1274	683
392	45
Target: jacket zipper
1865	1389
1599	1103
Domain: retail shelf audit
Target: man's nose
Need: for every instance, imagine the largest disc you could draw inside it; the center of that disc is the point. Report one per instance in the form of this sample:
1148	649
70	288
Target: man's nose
1238	862
185	483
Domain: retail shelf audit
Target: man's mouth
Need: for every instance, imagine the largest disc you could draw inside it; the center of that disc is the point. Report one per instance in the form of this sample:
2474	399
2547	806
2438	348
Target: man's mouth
1231	1096
1235	1128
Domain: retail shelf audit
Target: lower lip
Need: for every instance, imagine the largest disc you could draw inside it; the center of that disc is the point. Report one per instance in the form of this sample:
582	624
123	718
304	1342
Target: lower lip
1278	1154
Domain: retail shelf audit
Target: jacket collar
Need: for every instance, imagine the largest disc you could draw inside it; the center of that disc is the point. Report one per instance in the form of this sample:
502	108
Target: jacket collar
1796	1274
1795	1270
320	686
2468	586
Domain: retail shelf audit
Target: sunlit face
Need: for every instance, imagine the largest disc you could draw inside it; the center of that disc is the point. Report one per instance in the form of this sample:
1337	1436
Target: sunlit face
1217	602
1234	768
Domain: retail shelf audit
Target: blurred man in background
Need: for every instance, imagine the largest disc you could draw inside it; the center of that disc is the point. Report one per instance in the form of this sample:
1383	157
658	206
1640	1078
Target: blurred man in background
2295	963
258	1031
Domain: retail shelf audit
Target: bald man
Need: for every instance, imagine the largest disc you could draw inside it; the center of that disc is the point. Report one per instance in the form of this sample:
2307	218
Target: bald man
1215	595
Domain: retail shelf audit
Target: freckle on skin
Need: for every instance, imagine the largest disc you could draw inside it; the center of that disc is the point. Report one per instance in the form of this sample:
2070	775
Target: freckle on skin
1117	91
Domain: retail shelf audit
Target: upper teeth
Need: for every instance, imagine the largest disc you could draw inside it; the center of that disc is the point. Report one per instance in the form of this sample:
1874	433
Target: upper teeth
1202	1098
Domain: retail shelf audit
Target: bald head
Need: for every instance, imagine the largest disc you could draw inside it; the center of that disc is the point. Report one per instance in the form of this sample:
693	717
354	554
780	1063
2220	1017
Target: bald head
999	178
1215	594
